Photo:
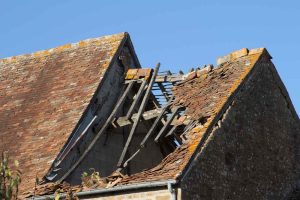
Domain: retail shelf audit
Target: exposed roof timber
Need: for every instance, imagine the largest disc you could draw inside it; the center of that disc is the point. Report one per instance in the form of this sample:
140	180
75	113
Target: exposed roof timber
71	146
140	112
156	122
103	128
129	159
164	91
167	124
171	131
166	78
147	115
193	120
168	72
136	100
149	133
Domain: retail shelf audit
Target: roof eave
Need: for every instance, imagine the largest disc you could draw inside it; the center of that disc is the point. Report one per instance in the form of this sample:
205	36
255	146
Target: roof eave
117	189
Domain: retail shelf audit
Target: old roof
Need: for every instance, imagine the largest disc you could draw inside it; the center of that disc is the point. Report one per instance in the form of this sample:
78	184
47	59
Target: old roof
43	96
204	93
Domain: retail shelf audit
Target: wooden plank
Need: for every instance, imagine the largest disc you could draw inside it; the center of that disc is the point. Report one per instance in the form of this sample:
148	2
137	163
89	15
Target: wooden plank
185	122
156	122
164	91
141	110
166	124
136	100
164	78
161	79
178	139
168	72
103	128
147	115
68	149
163	95
154	125
171	131
189	127
129	159
175	79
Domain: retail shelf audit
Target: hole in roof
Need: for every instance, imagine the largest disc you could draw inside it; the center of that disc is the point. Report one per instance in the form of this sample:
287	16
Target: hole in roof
126	141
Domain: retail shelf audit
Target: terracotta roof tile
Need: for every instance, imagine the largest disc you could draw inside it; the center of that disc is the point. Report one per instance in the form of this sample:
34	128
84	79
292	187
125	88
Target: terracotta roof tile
42	97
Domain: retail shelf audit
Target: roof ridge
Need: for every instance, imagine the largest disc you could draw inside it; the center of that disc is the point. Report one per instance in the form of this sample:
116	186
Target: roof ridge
240	53
64	47
226	102
221	61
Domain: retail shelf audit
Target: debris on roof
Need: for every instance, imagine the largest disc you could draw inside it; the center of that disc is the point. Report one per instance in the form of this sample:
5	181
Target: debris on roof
47	93
203	94
200	94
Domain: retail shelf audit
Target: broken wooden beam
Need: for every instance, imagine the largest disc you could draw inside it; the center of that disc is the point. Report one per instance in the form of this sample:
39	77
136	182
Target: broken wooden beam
149	133
165	78
155	124
68	148
164	91
140	112
171	131
119	104
169	78
163	129
147	115
136	100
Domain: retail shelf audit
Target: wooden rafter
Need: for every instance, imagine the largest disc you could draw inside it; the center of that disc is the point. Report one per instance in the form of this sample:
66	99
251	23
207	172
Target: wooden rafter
147	115
97	136
136	100
163	129
149	133
164	91
69	148
156	122
166	78
171	131
140	112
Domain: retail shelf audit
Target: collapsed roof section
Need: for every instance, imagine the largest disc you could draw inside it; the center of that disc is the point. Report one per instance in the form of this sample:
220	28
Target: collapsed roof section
65	100
202	94
181	110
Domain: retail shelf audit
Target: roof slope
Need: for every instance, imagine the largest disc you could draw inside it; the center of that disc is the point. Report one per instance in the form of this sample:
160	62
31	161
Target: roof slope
42	97
204	93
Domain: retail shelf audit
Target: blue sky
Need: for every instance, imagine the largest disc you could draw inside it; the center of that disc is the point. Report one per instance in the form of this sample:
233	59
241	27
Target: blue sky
179	34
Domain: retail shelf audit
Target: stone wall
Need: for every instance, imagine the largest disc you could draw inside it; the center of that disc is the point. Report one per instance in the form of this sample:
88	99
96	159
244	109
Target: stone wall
253	152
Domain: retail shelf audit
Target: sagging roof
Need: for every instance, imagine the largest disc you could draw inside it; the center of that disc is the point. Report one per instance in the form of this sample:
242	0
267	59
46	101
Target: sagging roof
43	96
204	93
